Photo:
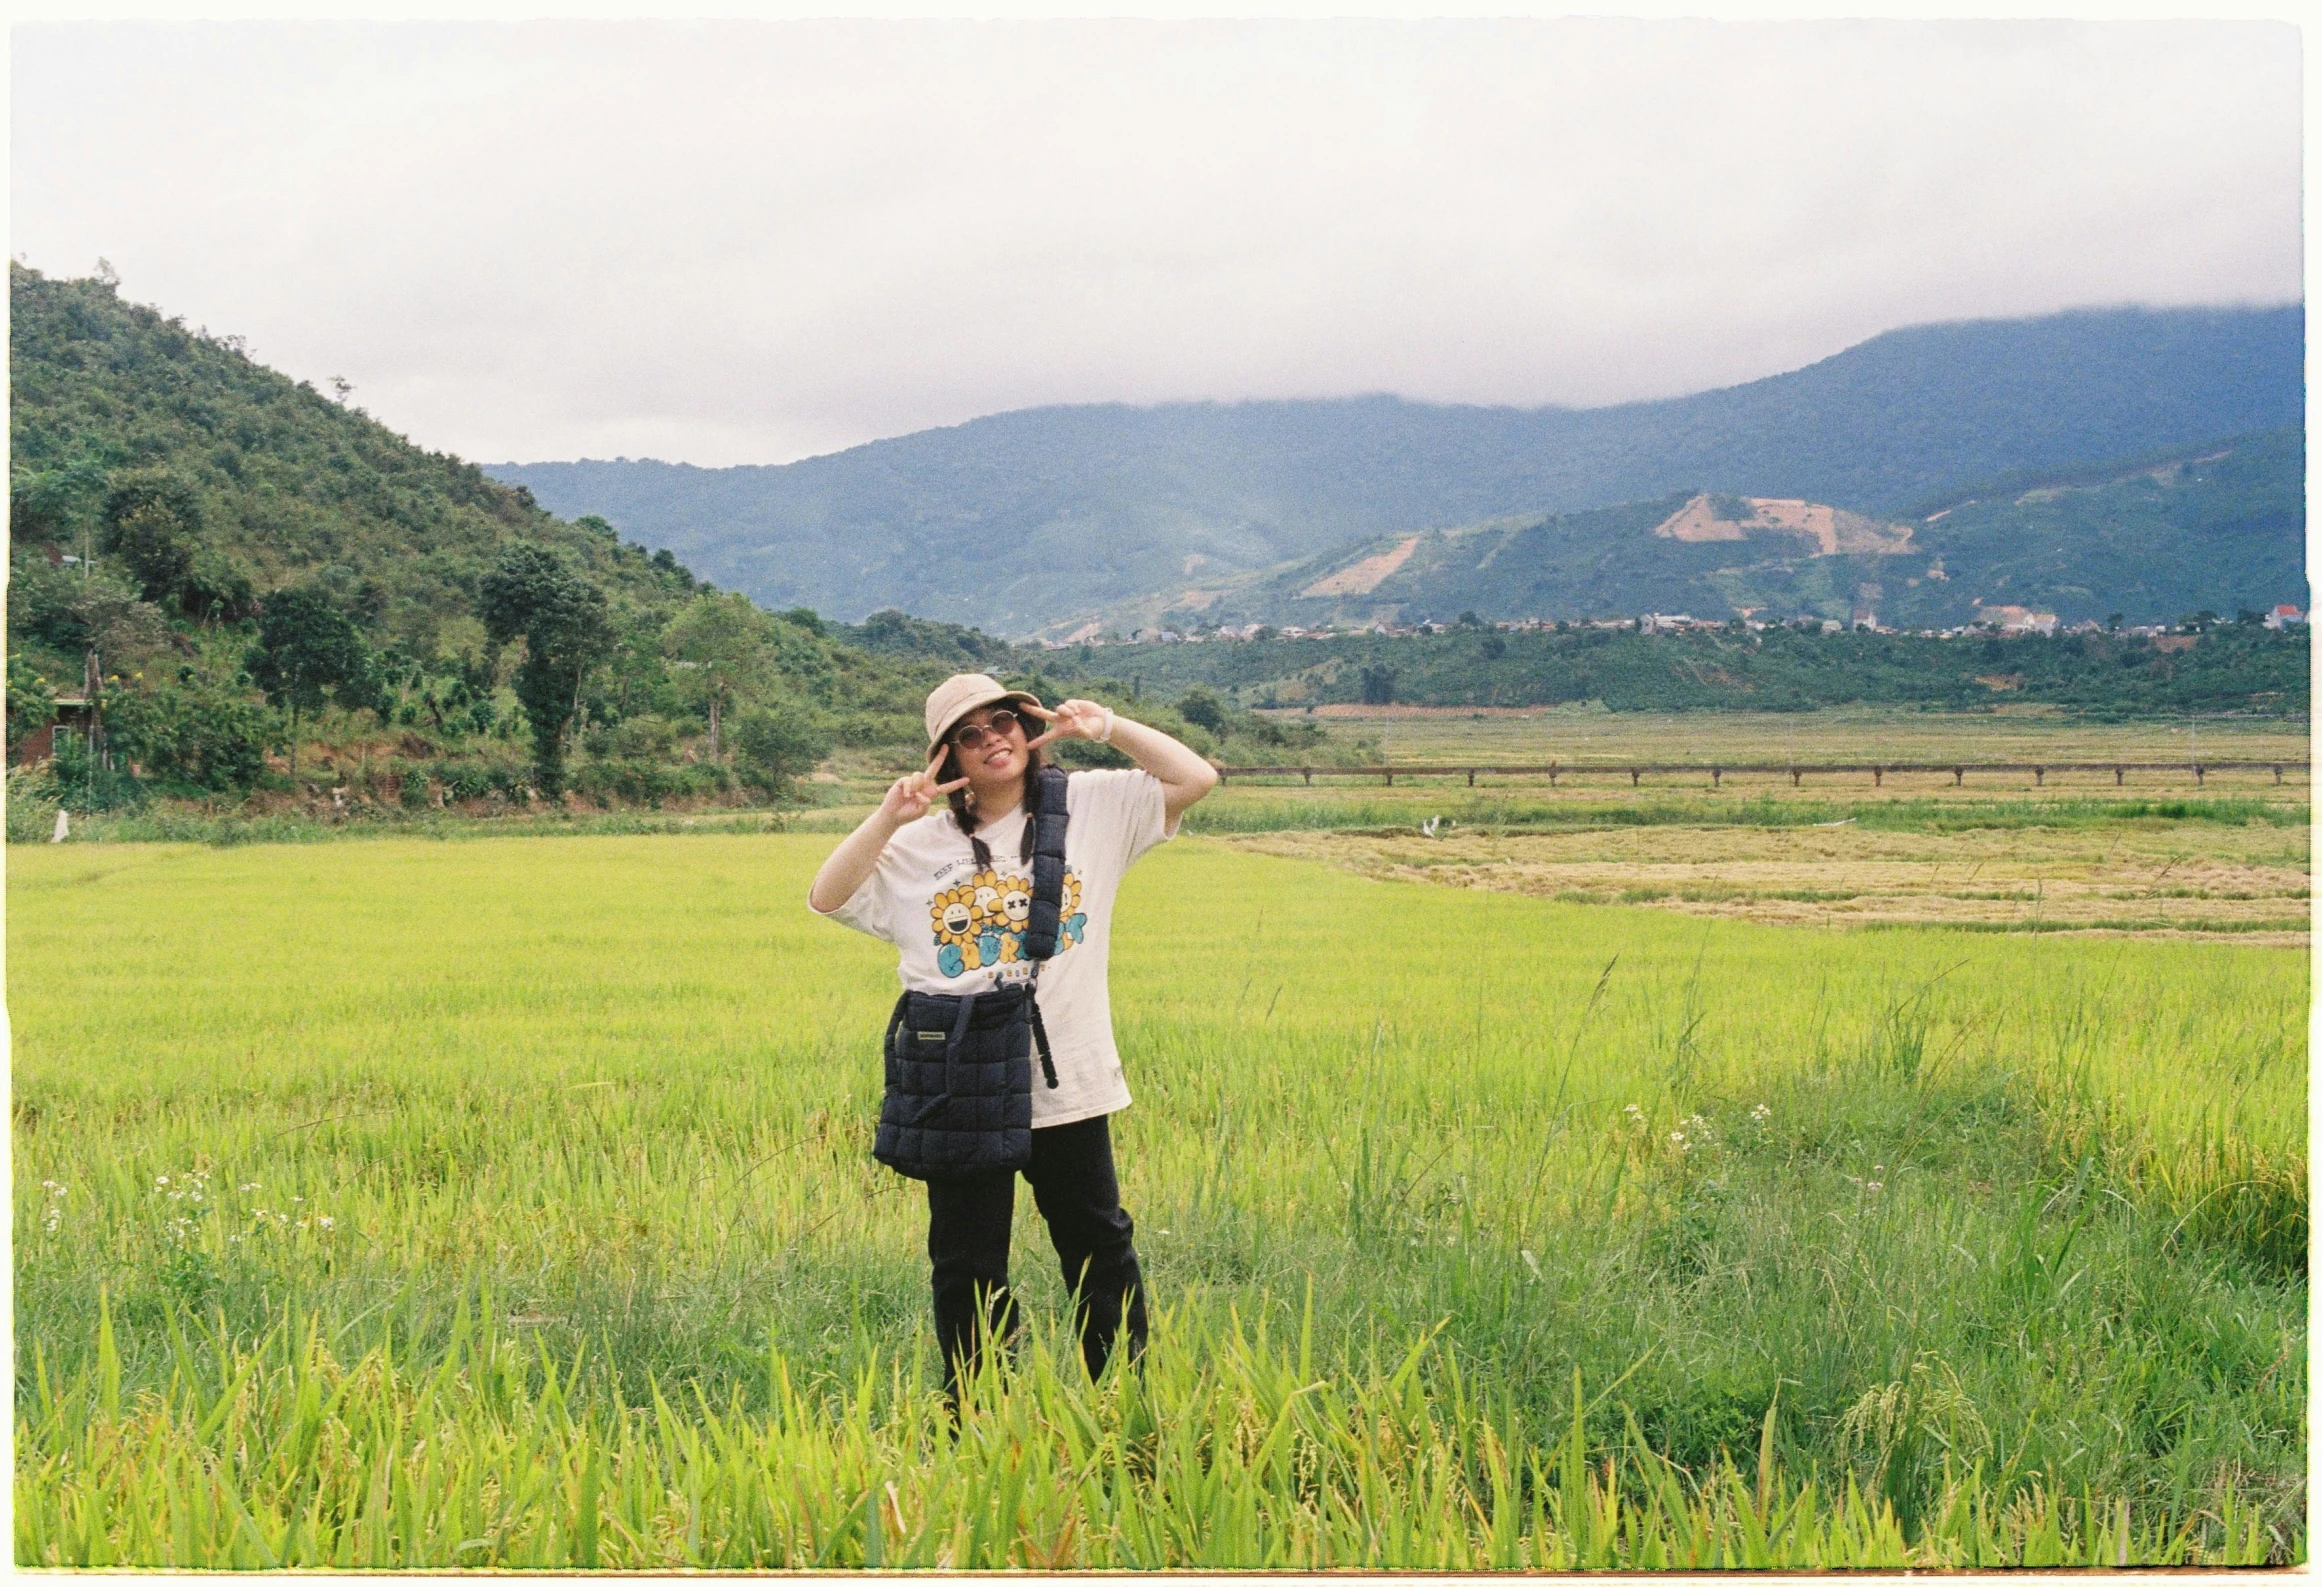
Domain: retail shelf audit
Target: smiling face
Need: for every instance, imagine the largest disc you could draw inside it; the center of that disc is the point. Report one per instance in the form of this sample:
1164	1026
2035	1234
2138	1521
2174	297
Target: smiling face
995	767
952	914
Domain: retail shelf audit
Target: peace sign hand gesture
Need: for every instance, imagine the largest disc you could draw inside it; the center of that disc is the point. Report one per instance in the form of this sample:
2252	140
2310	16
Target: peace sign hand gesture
909	797
1071	719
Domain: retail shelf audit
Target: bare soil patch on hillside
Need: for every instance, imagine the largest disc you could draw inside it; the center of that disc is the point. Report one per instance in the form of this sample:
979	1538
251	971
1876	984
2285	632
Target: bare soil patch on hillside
1366	575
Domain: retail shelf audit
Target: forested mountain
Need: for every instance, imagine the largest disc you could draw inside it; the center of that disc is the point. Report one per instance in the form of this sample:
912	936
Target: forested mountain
2217	525
284	483
1024	521
2220	527
246	561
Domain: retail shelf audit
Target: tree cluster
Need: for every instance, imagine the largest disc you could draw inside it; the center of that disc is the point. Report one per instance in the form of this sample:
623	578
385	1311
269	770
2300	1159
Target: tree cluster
2224	666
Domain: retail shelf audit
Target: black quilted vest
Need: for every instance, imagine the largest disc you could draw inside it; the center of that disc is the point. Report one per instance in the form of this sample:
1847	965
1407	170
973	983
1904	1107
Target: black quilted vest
959	1069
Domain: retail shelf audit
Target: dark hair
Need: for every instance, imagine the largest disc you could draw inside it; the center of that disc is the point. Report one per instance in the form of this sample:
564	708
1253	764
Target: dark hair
964	813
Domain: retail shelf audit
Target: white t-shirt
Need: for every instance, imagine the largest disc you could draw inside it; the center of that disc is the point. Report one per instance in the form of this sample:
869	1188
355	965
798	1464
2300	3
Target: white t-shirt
961	929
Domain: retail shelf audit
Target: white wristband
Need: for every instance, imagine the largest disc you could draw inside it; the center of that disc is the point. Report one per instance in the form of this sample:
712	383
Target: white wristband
1106	737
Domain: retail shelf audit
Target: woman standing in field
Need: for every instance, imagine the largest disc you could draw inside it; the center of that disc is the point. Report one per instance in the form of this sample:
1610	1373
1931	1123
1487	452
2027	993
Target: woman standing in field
953	892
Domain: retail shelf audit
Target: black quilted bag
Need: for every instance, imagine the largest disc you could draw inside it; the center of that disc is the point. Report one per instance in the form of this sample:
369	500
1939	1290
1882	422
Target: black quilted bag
959	1069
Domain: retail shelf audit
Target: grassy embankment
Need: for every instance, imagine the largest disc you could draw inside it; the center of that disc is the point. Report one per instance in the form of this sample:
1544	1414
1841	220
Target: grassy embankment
1833	1248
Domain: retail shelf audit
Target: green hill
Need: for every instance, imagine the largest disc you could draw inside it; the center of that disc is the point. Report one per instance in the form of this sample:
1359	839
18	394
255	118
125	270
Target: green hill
2220	526
1033	521
290	484
198	484
2217	525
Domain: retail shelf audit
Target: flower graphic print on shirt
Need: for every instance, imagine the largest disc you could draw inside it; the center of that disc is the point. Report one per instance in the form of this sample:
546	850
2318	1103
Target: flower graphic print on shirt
980	923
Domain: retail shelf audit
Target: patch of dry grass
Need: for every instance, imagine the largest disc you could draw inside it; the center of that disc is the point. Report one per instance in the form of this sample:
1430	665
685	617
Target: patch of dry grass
2247	884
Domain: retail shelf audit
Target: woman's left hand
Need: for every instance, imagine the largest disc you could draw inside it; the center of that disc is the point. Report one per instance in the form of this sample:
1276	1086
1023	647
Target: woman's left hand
1071	719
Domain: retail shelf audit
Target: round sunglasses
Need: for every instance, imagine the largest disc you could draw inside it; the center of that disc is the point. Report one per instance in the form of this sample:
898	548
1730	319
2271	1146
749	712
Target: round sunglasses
995	725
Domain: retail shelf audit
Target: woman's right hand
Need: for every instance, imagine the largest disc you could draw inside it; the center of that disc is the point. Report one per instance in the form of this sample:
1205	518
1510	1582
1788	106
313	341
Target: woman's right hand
909	798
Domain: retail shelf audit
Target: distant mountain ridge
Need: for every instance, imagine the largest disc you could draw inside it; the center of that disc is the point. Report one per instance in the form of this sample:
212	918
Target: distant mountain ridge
1022	521
2219	525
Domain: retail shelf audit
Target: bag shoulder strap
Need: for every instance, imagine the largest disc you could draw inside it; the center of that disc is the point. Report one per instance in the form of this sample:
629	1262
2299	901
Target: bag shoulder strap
1041	930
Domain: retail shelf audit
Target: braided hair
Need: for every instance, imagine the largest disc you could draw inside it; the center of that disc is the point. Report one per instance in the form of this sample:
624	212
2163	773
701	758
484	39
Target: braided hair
964	813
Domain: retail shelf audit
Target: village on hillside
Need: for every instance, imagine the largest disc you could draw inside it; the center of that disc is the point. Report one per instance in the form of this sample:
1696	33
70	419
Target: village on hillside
2000	622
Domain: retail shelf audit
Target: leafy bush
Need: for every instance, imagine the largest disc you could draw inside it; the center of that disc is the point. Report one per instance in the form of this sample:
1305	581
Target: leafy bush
86	783
153	523
201	735
475	777
775	746
649	782
636	738
1198	705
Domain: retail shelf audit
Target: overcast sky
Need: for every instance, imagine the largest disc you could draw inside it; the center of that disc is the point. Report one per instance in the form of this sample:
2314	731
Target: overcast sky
749	242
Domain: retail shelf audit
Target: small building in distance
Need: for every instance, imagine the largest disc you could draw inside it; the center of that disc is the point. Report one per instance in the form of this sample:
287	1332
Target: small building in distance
2283	616
72	716
2017	619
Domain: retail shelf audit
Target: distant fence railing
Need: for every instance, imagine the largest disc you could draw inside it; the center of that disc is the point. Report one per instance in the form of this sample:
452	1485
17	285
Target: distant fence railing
1718	771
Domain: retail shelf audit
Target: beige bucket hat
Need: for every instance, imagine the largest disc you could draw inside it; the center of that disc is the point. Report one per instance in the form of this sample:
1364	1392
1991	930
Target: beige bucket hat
961	693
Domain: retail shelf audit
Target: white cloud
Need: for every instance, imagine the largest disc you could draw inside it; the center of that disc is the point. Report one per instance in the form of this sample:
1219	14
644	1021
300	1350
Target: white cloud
735	242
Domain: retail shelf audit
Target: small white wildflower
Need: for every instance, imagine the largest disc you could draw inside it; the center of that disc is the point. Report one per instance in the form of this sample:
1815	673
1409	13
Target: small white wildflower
1874	1187
326	1223
1634	1111
163	1180
1878	1168
1677	1137
1761	1113
253	1185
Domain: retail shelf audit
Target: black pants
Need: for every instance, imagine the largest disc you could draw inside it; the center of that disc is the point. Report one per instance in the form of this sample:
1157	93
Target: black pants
968	1221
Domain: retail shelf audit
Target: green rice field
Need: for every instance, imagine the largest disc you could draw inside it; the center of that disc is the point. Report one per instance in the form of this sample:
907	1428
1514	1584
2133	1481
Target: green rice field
508	1203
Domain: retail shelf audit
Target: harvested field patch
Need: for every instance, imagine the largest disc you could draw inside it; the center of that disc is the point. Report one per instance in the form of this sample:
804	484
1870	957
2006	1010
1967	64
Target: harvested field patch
2248	884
